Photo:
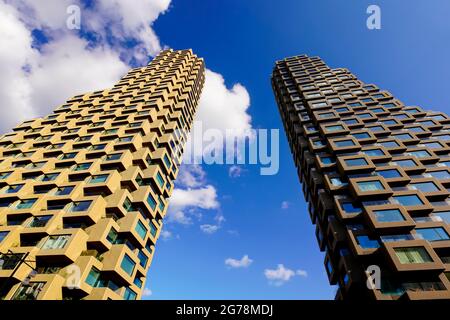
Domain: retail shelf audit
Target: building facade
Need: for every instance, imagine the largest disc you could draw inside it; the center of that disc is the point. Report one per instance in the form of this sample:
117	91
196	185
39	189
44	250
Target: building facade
83	191
376	176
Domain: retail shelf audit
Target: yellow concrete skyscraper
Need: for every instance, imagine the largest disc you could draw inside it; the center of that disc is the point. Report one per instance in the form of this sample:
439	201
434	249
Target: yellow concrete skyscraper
83	191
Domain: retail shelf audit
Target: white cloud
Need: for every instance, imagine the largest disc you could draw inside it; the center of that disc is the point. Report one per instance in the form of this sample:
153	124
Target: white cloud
209	228
191	176
244	262
147	292
166	234
281	275
285	205
222	109
204	198
33	82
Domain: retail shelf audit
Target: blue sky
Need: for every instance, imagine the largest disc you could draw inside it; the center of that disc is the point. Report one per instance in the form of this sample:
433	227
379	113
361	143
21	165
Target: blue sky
240	41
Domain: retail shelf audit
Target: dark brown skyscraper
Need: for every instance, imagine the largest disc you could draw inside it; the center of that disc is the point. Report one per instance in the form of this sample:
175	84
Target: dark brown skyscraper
376	175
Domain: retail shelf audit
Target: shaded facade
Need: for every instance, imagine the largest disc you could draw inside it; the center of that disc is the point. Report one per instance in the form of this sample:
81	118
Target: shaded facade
376	176
83	191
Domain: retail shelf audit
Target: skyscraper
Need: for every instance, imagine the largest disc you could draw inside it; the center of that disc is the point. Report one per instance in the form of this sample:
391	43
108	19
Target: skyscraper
376	176
84	190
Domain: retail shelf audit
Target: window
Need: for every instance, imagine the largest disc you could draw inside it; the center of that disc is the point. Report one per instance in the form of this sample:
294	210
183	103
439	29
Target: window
56	242
113	157
153	229
82	166
39	221
129	294
151	202
99	178
406	163
49	177
389	144
337	182
350	208
412	255
13	188
444	215
356	162
142	258
98	147
112	236
420	153
126	139
160	180
80	206
93	277
433	234
29	292
397	237
68	156
408	200
327	160
404	136
334	128
393	215
440	175
364	135
63	191
344	143
167	161
26	204
425	186
128	264
138	282
367	186
141	229
433	145
366	243
10	261
388	174
128	205
3	235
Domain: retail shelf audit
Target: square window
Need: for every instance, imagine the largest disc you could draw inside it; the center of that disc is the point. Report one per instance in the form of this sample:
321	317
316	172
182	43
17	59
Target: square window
56	242
440	175
141	229
63	191
356	162
128	264
392	215
363	135
389	144
13	188
344	143
408	200
327	160
151	202
367	243
334	128
26	204
3	235
404	136
406	163
388	174
113	157
374	152
425	186
39	222
433	234
350	208
369	186
443	215
99	178
82	166
420	153
412	255
80	206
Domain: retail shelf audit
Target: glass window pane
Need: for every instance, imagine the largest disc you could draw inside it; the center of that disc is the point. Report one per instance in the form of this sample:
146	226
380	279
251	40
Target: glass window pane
389	215
412	255
128	264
